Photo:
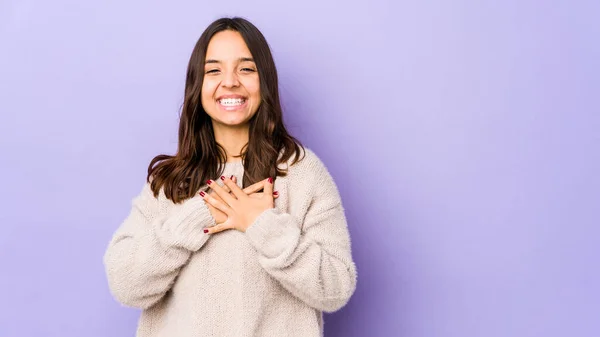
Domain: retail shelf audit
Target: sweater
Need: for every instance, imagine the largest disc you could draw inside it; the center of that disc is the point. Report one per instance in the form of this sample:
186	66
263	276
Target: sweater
275	280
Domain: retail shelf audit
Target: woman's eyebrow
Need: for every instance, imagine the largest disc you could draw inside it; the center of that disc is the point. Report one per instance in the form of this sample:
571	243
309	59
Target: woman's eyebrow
241	59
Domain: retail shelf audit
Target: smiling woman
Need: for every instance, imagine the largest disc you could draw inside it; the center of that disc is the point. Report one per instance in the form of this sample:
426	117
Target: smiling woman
231	87
261	253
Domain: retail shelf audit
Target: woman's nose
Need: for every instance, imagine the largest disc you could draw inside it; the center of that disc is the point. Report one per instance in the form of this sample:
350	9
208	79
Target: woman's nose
230	79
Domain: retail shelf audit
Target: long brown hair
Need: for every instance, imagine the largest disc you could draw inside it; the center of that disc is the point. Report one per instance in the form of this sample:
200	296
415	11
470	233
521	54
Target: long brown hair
198	156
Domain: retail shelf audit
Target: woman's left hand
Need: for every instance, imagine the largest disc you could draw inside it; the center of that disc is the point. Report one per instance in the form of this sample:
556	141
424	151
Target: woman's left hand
240	208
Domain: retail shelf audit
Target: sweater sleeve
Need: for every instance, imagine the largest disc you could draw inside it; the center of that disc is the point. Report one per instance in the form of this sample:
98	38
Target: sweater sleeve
149	248
312	258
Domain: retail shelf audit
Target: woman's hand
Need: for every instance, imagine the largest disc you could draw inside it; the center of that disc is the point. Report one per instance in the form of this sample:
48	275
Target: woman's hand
252	191
240	207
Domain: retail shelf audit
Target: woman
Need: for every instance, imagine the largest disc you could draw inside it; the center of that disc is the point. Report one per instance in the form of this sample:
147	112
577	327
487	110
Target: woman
242	231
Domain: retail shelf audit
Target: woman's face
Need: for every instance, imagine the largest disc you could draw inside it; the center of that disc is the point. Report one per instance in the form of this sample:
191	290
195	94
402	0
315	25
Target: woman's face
231	87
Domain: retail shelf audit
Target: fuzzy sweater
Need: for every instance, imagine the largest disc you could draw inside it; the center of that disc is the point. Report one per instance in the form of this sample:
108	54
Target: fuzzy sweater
275	280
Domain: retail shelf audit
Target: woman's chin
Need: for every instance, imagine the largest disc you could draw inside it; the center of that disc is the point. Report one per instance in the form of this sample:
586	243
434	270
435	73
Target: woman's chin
233	123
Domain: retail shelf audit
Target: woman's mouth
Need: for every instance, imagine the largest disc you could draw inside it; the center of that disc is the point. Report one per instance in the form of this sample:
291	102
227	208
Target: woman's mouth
232	104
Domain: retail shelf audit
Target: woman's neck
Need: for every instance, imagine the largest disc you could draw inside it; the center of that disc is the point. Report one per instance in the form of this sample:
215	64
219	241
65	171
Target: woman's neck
232	139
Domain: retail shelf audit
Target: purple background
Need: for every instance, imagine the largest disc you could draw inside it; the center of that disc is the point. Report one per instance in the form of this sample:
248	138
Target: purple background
463	136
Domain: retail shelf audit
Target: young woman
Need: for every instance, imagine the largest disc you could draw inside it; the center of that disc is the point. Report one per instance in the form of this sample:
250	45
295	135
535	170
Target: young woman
242	231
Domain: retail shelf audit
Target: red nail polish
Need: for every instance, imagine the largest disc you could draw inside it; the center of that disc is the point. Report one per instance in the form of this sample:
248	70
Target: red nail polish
231	177
223	178
275	193
270	180
208	182
206	231
202	194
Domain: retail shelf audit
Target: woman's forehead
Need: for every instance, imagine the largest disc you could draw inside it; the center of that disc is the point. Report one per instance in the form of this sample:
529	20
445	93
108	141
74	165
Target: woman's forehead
228	46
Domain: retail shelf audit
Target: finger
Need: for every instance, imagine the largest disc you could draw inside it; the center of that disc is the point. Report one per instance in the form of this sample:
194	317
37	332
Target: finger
257	187
226	196
225	188
234	179
215	195
217	228
235	189
269	188
259	195
216	214
221	206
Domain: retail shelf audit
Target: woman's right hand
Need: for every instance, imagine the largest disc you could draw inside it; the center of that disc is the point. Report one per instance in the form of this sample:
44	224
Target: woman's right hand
252	191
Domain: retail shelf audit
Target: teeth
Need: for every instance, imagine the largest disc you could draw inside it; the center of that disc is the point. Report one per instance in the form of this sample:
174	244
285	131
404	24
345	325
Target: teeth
232	101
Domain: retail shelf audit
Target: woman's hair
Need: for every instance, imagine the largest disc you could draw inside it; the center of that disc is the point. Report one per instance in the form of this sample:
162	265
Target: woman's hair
198	156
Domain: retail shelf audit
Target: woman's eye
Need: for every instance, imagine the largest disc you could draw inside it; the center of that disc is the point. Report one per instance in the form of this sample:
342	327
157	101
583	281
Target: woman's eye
248	70
212	71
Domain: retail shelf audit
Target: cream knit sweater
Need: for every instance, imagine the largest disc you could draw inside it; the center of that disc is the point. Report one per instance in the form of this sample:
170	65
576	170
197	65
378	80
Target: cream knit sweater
275	280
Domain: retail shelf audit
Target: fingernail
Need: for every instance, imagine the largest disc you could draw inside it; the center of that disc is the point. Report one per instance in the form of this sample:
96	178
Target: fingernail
231	177
202	194
209	182
275	193
223	178
206	231
270	180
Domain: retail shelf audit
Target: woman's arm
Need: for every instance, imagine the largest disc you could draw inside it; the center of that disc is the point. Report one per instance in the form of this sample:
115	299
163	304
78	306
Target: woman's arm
149	248
312	259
